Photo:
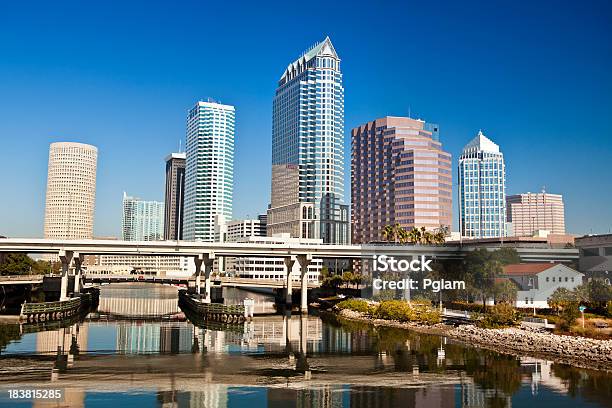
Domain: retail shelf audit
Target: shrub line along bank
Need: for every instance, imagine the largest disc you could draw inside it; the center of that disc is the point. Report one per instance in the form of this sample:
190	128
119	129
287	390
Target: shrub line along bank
577	351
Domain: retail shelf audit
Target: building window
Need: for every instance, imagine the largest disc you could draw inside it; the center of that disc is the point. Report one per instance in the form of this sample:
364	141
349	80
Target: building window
590	251
547	279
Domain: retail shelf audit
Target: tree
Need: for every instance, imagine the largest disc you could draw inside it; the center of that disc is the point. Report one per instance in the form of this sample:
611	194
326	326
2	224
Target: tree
357	279
482	267
347	278
507	256
505	292
16	264
561	299
388	233
594	292
414	236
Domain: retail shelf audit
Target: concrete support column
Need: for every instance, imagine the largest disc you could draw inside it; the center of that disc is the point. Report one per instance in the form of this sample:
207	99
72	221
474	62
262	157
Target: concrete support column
198	268
78	261
303	334
289	261
304	261
66	258
208	267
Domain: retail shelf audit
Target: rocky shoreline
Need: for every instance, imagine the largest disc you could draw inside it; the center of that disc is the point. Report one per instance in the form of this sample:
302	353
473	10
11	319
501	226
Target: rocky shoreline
577	351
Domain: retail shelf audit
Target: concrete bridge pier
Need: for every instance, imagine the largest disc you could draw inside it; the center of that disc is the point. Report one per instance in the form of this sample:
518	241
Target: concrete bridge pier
78	283
289	261
66	258
304	261
208	260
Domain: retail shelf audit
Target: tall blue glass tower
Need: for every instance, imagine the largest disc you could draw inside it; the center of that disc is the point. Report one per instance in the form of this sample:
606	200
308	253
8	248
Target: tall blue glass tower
308	149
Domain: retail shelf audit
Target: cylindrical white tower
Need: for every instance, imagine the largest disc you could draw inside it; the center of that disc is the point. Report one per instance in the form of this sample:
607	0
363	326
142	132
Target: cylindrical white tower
71	191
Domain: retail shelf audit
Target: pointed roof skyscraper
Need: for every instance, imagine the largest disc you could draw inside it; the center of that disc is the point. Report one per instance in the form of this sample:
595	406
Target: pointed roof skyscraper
481	143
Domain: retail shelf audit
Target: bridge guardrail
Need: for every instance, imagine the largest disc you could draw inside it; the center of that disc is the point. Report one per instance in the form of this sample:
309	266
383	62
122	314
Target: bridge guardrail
50	307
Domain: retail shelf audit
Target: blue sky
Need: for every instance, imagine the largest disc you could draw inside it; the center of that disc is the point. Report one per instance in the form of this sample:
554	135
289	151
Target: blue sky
535	76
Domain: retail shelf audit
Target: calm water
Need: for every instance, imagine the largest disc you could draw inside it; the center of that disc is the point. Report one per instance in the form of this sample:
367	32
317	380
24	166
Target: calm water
139	350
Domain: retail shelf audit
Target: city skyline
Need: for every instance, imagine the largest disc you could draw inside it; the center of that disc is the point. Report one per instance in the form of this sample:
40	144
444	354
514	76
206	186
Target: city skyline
519	104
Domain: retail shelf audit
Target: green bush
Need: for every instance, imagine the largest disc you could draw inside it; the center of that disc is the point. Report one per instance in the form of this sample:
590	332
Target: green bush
356	305
500	315
428	315
470	307
395	310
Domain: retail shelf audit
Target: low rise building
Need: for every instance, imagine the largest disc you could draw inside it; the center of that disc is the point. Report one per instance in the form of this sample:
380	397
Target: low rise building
158	265
254	267
536	282
595	256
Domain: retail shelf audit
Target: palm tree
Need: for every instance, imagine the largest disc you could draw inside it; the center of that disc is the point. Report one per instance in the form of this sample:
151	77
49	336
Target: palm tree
403	236
427	237
398	232
388	233
439	238
414	236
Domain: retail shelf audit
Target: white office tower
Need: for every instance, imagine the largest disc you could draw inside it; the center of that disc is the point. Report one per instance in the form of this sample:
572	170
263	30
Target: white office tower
482	189
209	170
71	191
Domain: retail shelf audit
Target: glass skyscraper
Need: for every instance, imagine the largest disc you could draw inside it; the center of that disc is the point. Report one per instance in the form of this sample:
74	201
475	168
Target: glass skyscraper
482	189
209	169
308	149
142	220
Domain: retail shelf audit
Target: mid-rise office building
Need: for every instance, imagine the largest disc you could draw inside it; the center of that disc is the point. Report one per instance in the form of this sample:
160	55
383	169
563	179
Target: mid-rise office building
254	267
142	220
175	193
71	191
482	189
399	175
209	169
308	149
237	229
531	212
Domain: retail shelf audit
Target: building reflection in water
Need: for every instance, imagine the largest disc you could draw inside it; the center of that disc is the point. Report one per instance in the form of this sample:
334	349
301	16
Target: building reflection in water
487	379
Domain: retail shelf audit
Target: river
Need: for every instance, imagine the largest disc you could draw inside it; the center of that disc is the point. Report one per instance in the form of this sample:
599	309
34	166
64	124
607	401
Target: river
139	350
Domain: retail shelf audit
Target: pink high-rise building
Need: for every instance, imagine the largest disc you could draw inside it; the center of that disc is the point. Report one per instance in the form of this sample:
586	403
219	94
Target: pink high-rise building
399	175
530	212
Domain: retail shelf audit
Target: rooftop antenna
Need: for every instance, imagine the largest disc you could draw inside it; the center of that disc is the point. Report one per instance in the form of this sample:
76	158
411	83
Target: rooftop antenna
409	112
543	189
180	145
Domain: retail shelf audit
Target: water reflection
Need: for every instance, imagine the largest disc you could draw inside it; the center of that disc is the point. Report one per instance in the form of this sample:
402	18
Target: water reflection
139	349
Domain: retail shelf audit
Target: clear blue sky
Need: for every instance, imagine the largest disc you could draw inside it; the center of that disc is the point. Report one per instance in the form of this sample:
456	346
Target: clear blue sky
535	76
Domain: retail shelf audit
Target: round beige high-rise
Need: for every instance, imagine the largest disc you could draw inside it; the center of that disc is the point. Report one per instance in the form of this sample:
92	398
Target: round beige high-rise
71	191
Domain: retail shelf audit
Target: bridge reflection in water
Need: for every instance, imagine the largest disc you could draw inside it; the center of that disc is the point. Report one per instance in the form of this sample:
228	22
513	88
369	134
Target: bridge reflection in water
124	352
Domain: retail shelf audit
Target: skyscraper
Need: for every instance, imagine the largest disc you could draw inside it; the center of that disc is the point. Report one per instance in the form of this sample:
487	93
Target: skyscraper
482	189
175	193
307	149
399	175
209	169
71	191
530	212
142	220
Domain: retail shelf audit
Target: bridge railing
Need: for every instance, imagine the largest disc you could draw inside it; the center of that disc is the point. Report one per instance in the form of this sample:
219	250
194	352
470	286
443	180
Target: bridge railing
50	307
21	277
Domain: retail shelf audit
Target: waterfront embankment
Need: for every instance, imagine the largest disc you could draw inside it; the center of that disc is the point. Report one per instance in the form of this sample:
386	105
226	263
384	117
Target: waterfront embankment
577	351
